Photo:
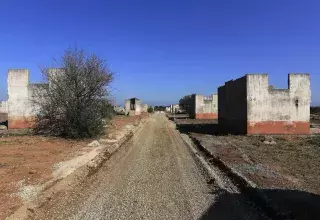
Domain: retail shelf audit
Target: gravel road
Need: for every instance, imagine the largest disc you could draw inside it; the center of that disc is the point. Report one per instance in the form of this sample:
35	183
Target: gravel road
154	176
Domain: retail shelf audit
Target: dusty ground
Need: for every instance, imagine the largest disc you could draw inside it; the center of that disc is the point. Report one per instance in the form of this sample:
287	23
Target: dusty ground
153	176
291	162
285	168
29	160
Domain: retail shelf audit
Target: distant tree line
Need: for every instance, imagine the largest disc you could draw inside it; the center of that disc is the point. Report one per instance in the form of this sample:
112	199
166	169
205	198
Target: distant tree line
186	102
315	109
159	108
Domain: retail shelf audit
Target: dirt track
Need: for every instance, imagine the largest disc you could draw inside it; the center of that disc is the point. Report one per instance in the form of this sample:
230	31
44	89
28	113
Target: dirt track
154	176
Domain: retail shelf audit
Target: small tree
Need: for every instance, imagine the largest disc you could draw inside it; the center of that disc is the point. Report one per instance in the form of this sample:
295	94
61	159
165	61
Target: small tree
150	109
75	101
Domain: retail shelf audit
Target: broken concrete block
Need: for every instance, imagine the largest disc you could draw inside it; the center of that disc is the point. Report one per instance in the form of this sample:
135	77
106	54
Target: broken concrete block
268	140
3	127
94	143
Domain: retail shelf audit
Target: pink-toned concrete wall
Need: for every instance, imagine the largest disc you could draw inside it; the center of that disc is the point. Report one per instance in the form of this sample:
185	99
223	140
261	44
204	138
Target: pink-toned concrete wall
278	127
20	122
278	111
207	115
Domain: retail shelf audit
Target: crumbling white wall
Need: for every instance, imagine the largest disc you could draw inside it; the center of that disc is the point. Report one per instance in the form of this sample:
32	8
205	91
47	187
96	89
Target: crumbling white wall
268	104
206	104
19	109
278	111
127	106
4	107
138	107
204	107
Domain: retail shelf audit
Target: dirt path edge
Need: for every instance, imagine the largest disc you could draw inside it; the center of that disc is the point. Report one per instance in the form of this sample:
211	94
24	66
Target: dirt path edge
246	186
54	186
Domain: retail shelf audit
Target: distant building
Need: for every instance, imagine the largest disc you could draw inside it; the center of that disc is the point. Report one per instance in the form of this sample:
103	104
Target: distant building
200	106
132	106
174	109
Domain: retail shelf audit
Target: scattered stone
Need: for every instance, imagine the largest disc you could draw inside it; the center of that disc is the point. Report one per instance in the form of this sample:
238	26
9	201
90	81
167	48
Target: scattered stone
108	141
268	140
28	192
94	143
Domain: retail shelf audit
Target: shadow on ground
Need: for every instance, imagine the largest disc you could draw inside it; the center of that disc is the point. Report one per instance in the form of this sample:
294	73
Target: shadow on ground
199	128
291	204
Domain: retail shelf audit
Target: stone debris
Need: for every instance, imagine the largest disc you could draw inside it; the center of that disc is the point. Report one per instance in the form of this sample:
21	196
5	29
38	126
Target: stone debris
108	141
268	140
94	143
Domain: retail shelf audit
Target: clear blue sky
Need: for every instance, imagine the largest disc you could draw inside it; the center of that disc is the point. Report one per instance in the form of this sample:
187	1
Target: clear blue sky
164	49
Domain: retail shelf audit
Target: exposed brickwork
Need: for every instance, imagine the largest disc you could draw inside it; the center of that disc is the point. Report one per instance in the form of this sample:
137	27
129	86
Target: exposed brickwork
207	116
20	122
278	127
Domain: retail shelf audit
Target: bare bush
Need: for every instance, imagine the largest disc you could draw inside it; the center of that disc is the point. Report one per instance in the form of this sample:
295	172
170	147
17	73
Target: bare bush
75	101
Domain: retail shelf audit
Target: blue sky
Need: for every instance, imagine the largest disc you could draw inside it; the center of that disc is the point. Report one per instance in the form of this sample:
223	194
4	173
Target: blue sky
162	50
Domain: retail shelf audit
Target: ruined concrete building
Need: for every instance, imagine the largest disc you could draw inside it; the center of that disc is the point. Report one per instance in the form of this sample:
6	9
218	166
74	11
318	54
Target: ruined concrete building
248	105
205	107
21	112
174	109
200	106
132	106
